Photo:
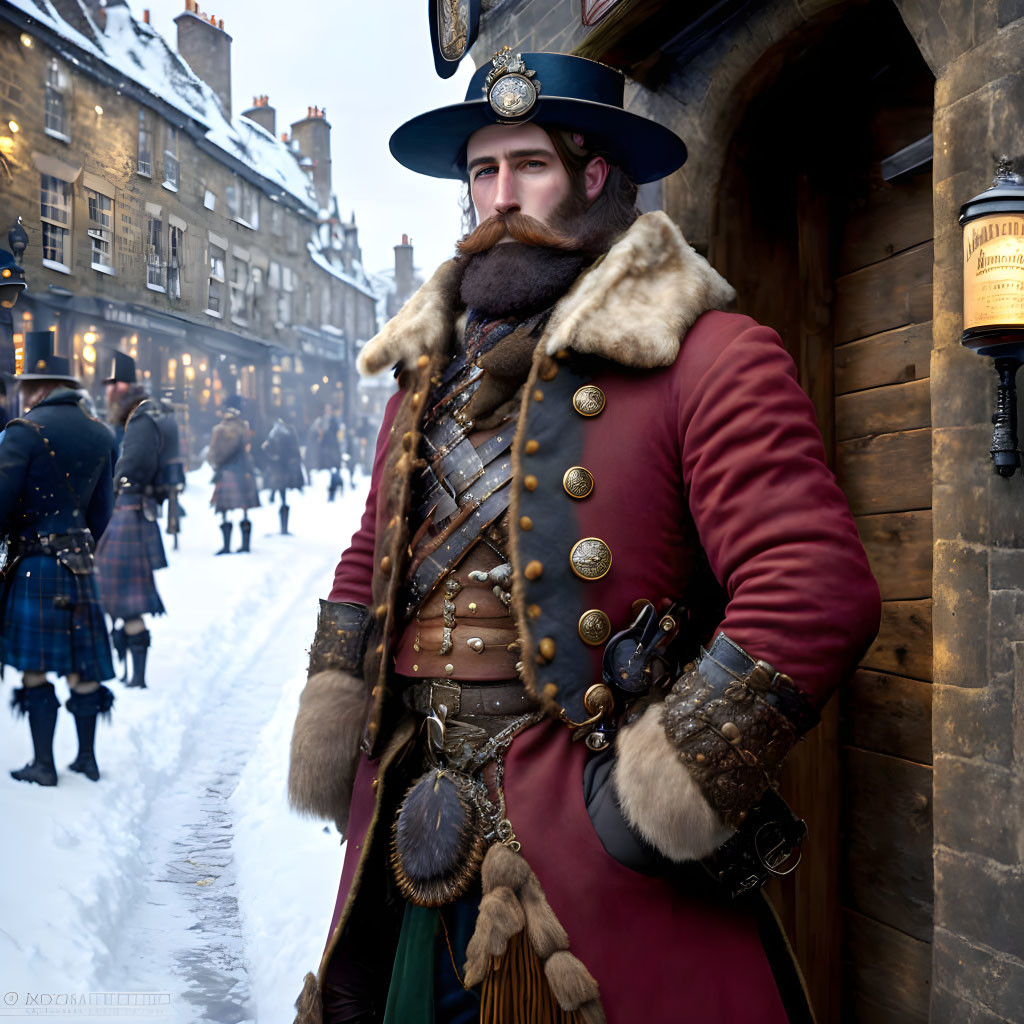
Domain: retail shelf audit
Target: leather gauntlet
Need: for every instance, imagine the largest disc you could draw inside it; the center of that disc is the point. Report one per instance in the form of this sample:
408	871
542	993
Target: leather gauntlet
342	633
732	721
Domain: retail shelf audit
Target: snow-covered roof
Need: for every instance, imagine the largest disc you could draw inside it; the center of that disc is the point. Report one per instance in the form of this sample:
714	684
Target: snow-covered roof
325	264
138	53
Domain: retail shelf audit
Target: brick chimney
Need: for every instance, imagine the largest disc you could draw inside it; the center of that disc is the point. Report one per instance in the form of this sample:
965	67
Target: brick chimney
262	113
313	135
203	42
403	269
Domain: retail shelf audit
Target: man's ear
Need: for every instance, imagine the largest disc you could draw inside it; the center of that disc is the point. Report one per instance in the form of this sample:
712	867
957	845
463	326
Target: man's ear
595	174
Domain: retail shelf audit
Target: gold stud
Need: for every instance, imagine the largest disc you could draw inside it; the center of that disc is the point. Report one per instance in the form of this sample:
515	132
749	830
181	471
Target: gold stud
525	523
548	369
423	362
590	558
538	395
578	482
530	482
531	447
547	649
407	440
533	611
534	570
589	400
385	565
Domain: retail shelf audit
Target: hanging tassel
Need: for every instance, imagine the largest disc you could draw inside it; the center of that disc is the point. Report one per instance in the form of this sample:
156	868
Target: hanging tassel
519	953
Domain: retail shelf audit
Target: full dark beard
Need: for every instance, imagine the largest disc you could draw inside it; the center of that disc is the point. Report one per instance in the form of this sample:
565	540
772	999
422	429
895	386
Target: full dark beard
516	279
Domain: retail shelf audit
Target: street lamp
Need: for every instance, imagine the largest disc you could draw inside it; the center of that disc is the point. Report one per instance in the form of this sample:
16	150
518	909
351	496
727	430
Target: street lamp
17	238
993	229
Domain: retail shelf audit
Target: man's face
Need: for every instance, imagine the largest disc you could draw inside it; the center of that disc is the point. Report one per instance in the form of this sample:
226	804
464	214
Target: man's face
115	391
515	167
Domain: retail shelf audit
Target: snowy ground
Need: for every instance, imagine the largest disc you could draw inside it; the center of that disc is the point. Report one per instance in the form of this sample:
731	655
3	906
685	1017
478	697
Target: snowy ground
180	884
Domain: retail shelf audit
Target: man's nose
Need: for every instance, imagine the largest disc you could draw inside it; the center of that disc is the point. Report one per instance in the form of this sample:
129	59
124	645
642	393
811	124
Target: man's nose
506	194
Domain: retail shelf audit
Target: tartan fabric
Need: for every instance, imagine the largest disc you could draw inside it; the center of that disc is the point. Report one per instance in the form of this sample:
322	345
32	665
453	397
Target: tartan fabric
128	553
236	488
53	622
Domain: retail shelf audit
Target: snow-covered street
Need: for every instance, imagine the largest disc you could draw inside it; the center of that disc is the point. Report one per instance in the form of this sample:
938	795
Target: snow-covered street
180	887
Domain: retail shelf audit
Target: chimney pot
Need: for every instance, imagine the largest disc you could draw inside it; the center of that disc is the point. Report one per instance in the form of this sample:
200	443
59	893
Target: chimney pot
405	239
145	16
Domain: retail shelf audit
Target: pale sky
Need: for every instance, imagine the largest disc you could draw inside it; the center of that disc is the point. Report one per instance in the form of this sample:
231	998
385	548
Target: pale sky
369	64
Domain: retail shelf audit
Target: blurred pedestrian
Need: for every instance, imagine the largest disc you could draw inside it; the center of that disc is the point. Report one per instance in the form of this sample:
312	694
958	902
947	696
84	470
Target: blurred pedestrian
282	462
330	450
131	549
56	497
230	457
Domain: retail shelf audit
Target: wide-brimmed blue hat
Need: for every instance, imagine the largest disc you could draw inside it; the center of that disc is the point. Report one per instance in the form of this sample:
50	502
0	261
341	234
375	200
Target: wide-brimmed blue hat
40	363
554	90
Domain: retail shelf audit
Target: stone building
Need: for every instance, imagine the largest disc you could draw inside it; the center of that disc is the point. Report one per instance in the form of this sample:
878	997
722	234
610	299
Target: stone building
162	223
831	144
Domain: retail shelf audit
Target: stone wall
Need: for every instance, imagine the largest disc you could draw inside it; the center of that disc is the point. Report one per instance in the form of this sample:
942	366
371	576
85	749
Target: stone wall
978	709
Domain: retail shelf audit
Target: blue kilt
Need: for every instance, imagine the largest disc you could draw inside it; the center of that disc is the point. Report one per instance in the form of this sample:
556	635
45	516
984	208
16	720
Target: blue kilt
128	553
53	622
236	488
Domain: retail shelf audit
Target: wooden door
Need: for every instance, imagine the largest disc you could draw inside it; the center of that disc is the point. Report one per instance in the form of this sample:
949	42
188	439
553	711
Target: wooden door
839	261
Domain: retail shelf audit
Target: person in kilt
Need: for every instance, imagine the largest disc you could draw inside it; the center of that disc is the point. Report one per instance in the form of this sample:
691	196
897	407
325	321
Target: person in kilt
282	464
56	497
131	549
230	457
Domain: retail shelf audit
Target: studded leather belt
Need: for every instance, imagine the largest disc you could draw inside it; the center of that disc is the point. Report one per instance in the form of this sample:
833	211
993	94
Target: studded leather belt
463	700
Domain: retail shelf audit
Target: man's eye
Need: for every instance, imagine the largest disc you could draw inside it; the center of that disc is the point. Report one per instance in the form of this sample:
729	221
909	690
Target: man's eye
482	171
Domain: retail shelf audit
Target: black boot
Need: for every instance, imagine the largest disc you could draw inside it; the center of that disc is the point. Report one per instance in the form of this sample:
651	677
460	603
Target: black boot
85	707
40	704
119	640
225	529
283	513
138	645
332	487
246	527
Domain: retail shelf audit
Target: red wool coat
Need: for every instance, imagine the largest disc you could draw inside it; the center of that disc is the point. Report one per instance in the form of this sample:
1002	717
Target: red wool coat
705	441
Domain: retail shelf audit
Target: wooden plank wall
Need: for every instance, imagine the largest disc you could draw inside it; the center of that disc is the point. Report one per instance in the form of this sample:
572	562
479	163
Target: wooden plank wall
882	324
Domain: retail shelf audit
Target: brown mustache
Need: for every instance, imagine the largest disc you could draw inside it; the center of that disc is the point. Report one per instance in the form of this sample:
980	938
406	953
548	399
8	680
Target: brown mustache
519	226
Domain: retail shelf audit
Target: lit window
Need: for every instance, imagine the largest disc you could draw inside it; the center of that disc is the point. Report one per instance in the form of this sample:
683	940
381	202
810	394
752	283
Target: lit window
145	165
101	219
56	102
55	214
154	254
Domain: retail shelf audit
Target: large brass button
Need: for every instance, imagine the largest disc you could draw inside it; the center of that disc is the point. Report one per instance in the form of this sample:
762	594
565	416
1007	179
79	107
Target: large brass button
589	400
590	558
578	482
594	627
534	570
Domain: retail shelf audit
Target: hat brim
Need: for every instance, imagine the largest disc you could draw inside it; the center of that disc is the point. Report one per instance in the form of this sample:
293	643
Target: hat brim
433	143
74	381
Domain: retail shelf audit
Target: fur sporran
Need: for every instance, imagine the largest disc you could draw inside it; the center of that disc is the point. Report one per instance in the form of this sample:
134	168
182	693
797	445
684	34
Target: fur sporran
437	841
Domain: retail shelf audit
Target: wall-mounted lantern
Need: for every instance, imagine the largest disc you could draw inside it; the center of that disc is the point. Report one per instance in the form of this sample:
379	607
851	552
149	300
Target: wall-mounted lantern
993	228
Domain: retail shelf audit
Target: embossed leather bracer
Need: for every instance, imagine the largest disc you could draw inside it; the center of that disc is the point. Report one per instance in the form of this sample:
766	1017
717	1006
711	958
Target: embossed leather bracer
342	633
733	721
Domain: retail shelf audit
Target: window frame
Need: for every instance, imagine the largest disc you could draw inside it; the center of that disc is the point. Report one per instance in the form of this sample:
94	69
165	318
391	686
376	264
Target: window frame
56	99
52	223
145	130
216	278
100	234
171	159
153	245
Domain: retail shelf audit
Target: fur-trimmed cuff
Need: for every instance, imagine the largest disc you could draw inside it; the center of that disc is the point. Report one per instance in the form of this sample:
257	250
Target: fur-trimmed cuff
325	745
659	797
342	633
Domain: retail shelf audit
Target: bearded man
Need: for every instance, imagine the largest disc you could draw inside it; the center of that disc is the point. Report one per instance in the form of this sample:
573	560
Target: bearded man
603	581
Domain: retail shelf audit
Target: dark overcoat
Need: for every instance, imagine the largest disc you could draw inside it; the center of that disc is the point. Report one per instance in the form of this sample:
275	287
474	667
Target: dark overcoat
56	471
132	548
282	459
701	446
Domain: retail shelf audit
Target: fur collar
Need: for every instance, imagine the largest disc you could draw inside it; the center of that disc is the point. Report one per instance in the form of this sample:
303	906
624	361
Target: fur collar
633	306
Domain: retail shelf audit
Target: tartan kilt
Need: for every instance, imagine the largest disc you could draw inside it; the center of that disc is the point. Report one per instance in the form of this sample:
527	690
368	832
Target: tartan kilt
236	488
128	553
53	622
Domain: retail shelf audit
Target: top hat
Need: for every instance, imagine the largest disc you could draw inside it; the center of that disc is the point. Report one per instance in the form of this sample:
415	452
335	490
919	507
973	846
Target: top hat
554	90
41	364
122	370
233	402
11	277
